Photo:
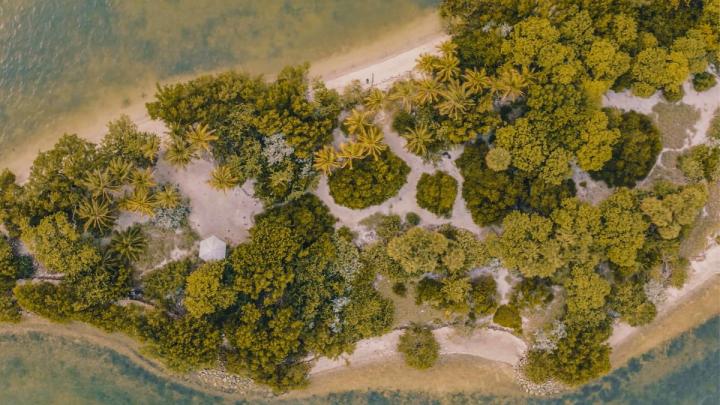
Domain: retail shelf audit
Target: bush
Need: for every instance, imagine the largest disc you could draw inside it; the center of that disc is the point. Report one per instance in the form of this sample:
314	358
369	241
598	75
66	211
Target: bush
489	195
413	219
634	154
399	289
419	347
402	122
508	317
483	292
714	130
436	193
701	162
673	95
9	309
703	81
368	182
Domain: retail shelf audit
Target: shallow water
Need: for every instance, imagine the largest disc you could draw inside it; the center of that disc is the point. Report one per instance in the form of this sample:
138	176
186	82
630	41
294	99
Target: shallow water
39	368
62	56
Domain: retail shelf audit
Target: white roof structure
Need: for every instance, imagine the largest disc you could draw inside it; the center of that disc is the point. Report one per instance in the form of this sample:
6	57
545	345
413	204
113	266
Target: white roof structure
212	248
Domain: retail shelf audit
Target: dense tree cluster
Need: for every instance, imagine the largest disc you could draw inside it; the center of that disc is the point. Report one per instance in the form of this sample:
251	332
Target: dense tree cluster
436	193
253	129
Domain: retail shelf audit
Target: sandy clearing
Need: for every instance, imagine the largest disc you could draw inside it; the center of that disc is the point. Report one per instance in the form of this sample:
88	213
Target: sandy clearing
490	344
227	215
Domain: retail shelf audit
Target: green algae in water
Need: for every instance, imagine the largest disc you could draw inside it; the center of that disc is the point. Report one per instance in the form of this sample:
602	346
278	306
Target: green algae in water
39	368
63	55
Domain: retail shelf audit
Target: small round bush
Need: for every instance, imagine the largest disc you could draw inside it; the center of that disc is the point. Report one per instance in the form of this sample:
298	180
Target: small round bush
508	317
419	347
369	181
436	193
703	81
413	218
673	94
399	289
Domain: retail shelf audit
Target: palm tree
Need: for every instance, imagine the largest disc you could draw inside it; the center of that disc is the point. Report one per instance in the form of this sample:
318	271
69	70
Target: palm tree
350	151
375	100
100	183
120	169
200	137
404	93
151	148
179	152
477	80
372	142
168	197
358	121
426	64
130	244
223	178
511	84
96	214
428	91
447	48
140	201
448	68
456	100
418	139
143	178
326	160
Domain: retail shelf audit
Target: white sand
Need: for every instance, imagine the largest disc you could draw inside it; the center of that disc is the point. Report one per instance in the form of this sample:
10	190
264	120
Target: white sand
489	344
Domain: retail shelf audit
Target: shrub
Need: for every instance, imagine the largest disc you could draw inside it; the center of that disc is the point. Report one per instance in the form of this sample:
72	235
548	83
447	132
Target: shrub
436	193
413	219
483	294
701	162
714	130
419	347
368	182
9	309
399	289
402	122
508	317
703	81
634	154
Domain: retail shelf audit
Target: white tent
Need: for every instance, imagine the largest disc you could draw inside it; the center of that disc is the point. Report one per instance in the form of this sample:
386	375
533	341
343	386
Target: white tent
212	248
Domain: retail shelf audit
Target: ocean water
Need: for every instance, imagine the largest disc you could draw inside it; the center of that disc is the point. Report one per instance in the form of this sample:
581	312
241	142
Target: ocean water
38	368
65	57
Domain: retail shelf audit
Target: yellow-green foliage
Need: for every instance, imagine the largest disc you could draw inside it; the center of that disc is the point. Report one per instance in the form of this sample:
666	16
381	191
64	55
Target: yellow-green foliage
436	193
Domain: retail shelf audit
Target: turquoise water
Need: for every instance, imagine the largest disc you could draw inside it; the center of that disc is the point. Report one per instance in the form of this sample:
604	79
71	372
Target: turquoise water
38	368
59	57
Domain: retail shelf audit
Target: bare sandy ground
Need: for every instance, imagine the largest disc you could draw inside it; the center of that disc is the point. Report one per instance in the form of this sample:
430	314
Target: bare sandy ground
489	344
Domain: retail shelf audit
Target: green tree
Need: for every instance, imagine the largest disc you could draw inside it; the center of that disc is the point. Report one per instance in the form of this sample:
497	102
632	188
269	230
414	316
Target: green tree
635	152
207	290
419	347
527	244
369	182
129	244
125	141
59	246
701	162
418	250
436	193
498	159
489	195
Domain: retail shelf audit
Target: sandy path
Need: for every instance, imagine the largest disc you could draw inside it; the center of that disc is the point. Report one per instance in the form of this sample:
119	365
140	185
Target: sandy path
489	344
405	201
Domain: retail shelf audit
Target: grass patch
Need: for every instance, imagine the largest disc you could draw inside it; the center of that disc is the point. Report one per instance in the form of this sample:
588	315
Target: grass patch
406	311
161	243
675	122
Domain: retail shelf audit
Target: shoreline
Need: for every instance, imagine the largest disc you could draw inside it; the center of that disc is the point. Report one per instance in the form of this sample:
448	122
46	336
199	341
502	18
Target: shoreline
392	55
